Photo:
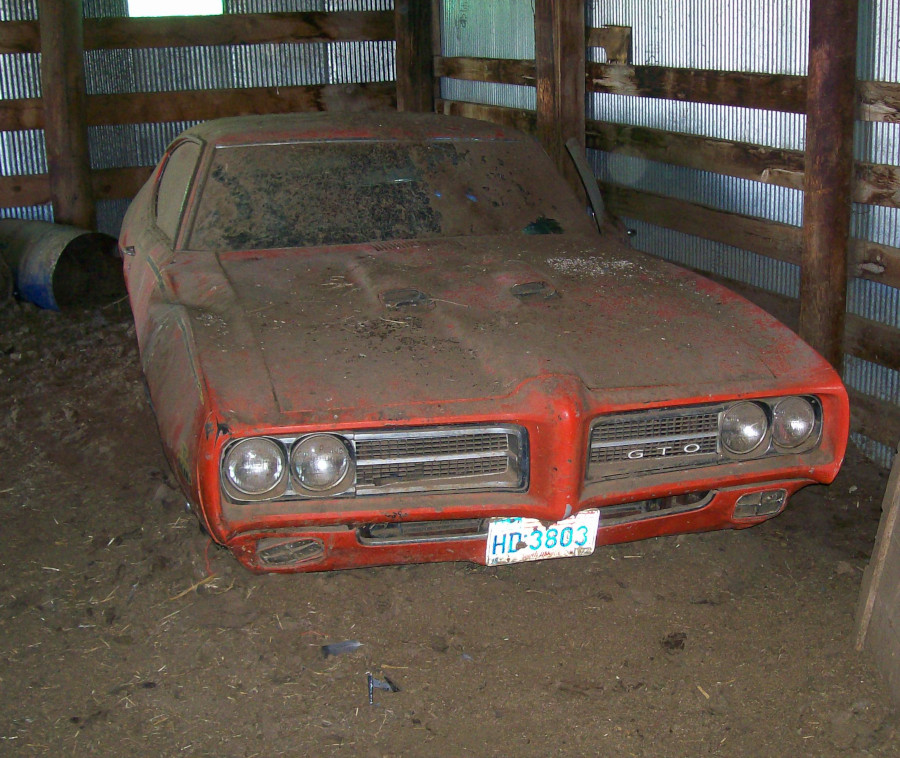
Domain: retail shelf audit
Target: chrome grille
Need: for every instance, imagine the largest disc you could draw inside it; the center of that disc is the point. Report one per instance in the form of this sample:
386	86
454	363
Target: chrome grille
377	475
440	459
650	441
459	444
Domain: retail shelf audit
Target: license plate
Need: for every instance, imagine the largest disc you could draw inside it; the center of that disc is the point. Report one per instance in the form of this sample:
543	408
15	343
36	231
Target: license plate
515	540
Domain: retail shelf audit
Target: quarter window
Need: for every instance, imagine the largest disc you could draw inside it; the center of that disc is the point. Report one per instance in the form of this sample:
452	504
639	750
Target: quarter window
173	187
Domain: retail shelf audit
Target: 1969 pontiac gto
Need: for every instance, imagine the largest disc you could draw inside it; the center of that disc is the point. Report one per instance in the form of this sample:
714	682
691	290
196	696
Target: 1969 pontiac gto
391	338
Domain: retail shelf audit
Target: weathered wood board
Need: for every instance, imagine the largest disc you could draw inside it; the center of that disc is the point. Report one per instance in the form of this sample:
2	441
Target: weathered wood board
878	614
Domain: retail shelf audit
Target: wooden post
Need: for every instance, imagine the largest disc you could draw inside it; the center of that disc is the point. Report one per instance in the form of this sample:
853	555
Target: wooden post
831	111
415	56
559	47
65	121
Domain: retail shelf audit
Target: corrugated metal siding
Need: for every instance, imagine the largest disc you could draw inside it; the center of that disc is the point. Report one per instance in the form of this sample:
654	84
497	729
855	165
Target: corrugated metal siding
768	36
29	213
132	144
715	257
171	69
18	10
501	29
725	193
105	8
22	153
20	76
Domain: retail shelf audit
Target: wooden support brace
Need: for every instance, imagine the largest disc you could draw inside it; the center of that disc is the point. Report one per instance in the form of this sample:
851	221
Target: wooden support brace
831	100
65	120
560	61
878	613
415	75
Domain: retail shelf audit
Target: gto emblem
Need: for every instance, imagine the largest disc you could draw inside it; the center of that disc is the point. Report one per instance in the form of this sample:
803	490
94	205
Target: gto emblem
664	450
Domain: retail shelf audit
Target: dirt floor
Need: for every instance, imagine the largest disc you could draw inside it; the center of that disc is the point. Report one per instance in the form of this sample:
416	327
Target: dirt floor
123	632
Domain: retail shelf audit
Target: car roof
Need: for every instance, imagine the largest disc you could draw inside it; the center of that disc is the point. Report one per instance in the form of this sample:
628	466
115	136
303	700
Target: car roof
291	127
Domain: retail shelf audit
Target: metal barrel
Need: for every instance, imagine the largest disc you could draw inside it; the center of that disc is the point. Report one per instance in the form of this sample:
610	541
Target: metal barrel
6	282
59	267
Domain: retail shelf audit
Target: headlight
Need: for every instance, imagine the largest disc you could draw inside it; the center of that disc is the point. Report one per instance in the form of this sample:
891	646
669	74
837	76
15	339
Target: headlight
322	463
743	428
793	421
254	466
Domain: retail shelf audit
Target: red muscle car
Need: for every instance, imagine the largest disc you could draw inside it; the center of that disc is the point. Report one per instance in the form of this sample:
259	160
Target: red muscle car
390	338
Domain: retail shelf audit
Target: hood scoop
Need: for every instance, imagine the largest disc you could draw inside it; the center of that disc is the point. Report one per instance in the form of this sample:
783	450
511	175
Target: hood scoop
533	291
406	297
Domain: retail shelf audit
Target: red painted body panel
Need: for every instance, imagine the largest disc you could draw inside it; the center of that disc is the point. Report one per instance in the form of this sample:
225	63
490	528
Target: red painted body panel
270	342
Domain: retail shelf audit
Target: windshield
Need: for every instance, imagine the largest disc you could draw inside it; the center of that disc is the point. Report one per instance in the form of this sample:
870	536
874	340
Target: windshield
347	192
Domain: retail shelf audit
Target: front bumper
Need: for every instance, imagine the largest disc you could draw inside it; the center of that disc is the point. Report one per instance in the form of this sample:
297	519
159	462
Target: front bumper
345	546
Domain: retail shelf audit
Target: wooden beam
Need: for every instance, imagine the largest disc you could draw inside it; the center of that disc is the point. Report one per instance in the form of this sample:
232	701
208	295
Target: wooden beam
874	418
778	92
872	341
875	184
495	70
139	108
517	118
237	29
20	37
829	175
560	60
16	115
65	125
869	260
119	183
769	238
762	164
415	47
22	191
615	41
879	101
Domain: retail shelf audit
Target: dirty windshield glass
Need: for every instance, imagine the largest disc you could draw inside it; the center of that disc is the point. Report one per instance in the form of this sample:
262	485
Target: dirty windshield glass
346	192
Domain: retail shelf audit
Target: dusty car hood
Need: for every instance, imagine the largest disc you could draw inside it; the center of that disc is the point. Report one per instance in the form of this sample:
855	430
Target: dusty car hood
316	329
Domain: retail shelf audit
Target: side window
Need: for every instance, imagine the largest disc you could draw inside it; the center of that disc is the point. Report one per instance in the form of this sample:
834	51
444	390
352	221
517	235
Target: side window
173	187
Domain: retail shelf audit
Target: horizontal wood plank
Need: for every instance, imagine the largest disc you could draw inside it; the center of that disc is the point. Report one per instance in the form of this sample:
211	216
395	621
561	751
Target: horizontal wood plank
516	118
206	104
495	70
19	37
237	29
769	238
874	418
876	184
869	260
745	161
16	115
227	29
24	191
119	183
778	92
872	341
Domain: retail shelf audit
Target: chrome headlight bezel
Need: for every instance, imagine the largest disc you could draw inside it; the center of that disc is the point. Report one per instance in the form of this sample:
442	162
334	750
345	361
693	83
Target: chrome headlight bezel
272	450
745	426
300	475
803	412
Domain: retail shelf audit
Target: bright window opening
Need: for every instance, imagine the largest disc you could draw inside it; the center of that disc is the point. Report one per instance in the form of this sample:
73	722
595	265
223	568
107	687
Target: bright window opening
175	7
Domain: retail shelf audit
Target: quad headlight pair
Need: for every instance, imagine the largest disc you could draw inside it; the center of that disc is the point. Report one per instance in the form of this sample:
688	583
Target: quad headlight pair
789	425
261	467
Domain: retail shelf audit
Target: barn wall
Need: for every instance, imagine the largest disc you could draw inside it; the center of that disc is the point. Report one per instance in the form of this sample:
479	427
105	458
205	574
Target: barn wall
262	76
705	166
